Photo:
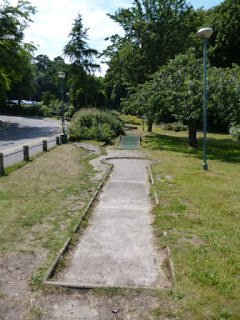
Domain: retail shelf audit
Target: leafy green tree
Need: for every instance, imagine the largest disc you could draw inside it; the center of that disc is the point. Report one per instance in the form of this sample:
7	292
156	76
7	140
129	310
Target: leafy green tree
23	86
46	71
177	88
225	20
224	95
15	56
155	31
4	87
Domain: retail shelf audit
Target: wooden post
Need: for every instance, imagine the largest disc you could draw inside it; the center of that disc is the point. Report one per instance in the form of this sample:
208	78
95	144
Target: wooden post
57	140
45	145
25	153
1	165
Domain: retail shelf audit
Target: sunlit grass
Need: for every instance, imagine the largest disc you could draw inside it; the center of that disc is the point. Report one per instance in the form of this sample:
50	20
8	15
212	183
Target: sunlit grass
220	147
200	212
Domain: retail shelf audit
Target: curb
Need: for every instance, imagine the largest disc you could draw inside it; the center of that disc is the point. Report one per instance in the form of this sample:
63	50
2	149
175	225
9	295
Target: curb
96	286
167	249
153	184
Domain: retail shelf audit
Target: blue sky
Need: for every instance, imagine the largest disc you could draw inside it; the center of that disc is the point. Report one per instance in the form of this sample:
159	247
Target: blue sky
54	18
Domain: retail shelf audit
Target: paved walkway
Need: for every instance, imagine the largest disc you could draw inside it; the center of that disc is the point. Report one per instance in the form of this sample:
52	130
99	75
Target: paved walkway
116	249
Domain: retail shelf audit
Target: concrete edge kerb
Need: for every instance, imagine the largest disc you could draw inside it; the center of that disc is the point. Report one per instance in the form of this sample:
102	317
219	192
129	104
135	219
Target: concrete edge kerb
67	243
88	287
153	184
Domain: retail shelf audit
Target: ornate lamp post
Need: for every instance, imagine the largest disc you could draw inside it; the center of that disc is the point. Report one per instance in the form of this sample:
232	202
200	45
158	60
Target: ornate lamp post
61	75
205	34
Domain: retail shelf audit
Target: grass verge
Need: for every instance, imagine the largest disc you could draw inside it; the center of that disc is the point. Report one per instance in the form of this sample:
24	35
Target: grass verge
199	210
41	203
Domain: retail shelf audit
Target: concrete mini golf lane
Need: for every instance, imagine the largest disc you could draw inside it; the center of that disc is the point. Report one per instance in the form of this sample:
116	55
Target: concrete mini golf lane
116	249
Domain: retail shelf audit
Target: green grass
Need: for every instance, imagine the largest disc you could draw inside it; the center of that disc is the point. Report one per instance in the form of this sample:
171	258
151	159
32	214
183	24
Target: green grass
42	201
200	211
220	147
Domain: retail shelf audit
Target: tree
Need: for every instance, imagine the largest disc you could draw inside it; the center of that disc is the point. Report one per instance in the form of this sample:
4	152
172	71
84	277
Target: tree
224	95
225	20
177	88
46	72
155	31
85	89
13	21
77	48
23	86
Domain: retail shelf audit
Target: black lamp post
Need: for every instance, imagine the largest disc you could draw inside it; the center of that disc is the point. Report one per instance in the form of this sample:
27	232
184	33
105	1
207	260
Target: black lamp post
61	75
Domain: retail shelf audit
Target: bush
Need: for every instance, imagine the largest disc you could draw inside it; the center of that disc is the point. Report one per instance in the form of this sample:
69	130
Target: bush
45	111
175	126
93	124
234	131
115	113
26	110
127	118
178	126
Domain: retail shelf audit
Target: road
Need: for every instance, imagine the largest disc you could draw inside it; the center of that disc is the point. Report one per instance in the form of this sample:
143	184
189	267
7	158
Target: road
22	131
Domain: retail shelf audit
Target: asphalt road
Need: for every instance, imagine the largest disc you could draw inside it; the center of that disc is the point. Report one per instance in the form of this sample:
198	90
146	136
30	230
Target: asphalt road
24	131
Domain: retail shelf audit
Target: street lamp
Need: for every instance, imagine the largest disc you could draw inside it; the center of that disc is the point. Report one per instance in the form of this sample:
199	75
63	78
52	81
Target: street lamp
61	75
205	34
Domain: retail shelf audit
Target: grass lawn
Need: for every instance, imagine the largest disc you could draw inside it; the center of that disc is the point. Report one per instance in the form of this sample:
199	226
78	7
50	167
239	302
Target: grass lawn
41	203
200	211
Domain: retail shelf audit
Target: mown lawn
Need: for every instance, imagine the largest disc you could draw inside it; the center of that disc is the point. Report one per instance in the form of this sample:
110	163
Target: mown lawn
200	211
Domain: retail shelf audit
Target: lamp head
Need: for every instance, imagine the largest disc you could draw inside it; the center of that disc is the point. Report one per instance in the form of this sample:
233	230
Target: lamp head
205	33
61	74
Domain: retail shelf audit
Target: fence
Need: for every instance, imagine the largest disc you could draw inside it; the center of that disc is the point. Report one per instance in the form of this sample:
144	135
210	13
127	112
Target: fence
24	154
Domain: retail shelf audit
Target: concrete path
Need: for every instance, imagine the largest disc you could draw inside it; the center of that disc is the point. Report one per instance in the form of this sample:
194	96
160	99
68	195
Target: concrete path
116	249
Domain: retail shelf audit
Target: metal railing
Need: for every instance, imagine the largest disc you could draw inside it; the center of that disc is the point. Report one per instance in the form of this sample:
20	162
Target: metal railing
25	153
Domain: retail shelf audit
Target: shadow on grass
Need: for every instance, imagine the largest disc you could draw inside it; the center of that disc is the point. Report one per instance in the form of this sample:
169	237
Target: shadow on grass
225	150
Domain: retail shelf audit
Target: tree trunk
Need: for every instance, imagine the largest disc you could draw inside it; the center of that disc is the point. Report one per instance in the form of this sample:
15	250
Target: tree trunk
150	124
192	133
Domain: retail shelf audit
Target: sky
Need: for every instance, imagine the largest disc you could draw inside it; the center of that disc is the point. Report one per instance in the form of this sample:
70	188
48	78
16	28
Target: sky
53	22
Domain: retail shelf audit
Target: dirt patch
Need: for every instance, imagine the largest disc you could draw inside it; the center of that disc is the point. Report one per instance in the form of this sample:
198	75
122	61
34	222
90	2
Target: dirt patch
104	305
15	271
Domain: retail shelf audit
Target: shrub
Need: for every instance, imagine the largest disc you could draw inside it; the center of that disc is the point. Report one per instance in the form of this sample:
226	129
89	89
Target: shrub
175	126
178	126
93	124
26	110
115	113
127	118
45	111
234	131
